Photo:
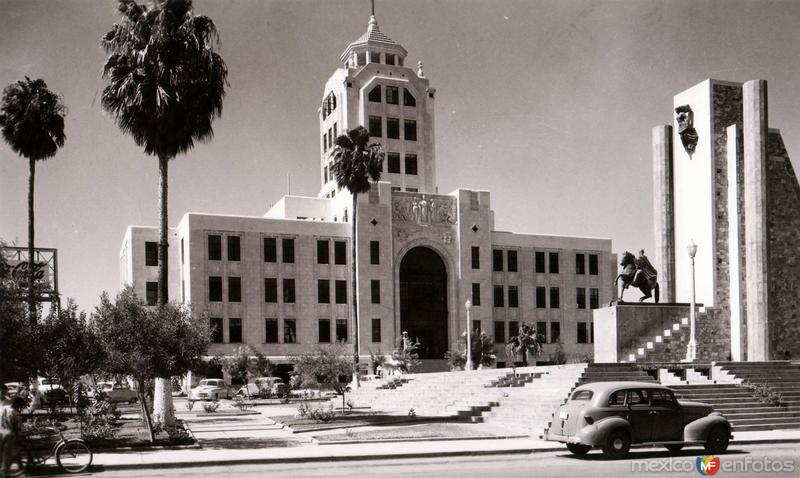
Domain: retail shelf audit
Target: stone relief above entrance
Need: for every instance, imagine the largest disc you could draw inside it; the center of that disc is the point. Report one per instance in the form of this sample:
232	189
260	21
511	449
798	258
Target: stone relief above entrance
424	209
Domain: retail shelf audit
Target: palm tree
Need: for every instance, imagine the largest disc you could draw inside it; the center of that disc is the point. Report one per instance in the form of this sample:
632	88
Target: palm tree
166	86
32	122
528	341
356	163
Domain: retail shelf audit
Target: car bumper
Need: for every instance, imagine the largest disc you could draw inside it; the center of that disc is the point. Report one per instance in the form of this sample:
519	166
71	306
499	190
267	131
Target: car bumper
561	438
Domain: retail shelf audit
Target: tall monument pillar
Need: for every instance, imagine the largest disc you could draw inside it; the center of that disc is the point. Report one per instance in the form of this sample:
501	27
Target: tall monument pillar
663	213
754	101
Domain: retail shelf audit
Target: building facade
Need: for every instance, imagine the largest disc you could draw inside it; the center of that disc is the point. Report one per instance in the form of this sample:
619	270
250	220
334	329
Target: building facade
282	283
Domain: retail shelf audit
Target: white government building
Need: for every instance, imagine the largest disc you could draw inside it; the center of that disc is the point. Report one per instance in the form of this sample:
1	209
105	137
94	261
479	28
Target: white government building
282	282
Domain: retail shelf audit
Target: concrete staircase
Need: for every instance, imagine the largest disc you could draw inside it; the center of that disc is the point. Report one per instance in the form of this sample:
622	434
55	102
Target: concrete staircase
669	342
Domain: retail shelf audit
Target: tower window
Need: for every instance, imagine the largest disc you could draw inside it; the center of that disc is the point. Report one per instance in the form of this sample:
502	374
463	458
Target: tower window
375	94
410	131
374	57
361	59
411	164
389	59
394	162
150	253
375	129
393	128
408	98
593	264
392	95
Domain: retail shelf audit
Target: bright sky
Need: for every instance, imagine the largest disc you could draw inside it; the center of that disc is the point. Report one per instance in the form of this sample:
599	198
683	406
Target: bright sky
549	105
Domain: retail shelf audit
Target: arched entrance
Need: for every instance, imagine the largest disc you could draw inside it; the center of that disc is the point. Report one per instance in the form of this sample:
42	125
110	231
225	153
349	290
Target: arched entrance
423	301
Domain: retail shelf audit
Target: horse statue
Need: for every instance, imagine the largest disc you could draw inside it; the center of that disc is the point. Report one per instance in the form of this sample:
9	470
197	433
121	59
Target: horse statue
638	273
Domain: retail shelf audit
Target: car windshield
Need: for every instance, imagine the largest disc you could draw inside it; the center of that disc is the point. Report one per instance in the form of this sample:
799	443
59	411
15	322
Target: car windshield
582	395
211	383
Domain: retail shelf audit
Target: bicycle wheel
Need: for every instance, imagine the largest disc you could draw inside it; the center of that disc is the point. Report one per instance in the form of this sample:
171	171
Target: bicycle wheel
74	456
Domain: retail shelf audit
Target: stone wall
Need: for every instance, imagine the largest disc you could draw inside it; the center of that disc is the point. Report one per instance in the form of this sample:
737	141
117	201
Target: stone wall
783	196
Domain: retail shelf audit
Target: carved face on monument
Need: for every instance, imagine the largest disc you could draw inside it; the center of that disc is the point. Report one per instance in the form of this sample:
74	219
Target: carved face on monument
685	119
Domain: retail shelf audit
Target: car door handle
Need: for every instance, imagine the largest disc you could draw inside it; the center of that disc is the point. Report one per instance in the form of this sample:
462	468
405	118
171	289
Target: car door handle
653	412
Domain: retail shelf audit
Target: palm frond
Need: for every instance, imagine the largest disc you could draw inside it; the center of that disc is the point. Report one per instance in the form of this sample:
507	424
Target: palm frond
32	119
355	162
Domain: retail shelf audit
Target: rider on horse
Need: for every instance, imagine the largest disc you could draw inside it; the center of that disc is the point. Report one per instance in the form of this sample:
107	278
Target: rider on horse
644	269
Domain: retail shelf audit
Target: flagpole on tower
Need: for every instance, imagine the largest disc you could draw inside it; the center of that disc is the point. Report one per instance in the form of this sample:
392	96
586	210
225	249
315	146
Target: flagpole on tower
373	7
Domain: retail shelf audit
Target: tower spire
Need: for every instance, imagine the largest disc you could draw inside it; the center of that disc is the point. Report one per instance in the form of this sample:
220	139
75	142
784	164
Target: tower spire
373	7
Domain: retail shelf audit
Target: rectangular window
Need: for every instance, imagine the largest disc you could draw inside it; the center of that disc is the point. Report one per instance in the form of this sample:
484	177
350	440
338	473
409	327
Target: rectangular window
541	329
216	330
539	262
288	291
408	98
270	290
555	332
324	331
234	248
325	142
214	247
513	328
374	96
476	294
498	296
555	296
323	251
499	332
513	296
580	264
393	160
341	291
410	130
234	289
361	58
376	331
580	295
289	331
582	333
593	264
512	261
181	251
392	95
375	127
151	293
271	331
594	298
341	330
235	331
541	297
374	57
215	289
375	291
151	253
476	257
374	252
270	249
553	259
474	201
411	164
476	326
497	260
389	59
412	190
591	332
287	246
392	128
323	291
340	253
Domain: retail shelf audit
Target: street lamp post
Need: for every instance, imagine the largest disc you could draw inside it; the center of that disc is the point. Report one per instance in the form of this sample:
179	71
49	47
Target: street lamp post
468	365
691	349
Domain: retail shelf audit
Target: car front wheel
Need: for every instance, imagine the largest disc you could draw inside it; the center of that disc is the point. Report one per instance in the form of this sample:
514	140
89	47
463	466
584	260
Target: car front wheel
717	440
577	449
617	444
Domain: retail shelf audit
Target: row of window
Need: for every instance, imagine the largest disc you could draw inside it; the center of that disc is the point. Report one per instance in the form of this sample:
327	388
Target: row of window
392	128
328	105
392	96
271	249
585	331
329	138
271	328
511	262
541	297
375	57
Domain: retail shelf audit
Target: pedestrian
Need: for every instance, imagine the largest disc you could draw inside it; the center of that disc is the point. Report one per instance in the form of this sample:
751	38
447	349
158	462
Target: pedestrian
9	429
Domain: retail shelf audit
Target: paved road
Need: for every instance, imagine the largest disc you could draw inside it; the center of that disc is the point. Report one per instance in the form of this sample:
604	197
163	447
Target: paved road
750	460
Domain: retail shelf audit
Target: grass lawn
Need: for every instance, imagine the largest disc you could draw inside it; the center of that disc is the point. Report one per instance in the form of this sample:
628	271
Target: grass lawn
421	431
352	419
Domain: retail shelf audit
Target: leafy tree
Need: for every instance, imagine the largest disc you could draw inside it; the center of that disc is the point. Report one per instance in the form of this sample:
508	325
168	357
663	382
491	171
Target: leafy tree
166	86
356	163
482	351
247	363
144	342
326	366
405	356
18	343
527	341
32	123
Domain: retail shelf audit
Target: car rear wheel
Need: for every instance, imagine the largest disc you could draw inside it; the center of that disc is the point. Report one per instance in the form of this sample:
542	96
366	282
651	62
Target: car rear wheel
717	440
577	449
617	444
674	448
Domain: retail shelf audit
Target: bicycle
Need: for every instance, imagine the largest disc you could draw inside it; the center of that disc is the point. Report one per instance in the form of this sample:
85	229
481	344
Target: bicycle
72	455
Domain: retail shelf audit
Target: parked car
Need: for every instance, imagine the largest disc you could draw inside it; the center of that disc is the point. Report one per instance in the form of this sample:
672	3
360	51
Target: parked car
12	388
51	391
211	389
116	393
616	415
262	387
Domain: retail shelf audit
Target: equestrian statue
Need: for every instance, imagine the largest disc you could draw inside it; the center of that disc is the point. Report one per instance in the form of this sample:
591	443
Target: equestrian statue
638	272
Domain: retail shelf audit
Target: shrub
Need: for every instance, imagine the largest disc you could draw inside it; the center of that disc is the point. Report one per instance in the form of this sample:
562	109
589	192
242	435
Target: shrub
211	407
763	393
318	414
242	404
99	421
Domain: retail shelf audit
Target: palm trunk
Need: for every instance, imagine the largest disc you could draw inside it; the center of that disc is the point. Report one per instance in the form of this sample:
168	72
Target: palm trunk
355	280
162	393
31	271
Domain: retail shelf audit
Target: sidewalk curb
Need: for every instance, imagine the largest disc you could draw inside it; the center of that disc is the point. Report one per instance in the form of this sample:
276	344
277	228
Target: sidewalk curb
407	440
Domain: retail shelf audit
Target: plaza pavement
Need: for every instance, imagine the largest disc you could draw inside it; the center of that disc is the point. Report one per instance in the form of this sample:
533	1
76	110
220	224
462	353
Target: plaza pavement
256	439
